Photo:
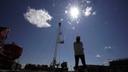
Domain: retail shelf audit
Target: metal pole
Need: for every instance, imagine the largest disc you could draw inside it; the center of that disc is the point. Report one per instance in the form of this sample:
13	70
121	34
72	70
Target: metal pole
54	62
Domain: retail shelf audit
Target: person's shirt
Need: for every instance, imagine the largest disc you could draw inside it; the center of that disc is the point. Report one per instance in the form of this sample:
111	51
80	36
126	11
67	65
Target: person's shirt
78	48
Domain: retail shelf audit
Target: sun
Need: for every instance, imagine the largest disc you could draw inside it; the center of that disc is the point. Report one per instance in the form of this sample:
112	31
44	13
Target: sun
74	12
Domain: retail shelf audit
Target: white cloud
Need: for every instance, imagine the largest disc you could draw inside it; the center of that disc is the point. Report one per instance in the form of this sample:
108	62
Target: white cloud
40	17
98	56
107	47
88	2
94	13
89	11
106	62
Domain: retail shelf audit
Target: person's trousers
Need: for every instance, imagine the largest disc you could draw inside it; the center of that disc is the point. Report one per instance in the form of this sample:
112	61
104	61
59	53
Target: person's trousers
77	57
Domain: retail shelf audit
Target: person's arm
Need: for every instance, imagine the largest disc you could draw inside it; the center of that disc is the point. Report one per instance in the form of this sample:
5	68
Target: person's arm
82	46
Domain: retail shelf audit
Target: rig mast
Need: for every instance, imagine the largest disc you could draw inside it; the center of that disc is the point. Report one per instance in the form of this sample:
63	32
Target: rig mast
59	40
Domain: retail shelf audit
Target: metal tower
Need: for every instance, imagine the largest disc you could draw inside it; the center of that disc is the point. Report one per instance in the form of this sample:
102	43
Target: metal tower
59	40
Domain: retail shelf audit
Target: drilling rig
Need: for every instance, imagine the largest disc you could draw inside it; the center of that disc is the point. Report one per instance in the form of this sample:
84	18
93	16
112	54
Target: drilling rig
59	40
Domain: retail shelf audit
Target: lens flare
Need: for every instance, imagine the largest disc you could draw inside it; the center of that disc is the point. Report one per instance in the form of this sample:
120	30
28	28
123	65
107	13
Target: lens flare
74	12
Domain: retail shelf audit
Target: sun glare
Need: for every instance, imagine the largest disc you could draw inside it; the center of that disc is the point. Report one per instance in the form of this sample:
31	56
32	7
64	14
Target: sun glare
74	12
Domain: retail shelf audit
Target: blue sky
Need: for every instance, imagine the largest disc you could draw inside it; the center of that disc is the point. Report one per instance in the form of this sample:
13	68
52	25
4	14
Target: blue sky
108	28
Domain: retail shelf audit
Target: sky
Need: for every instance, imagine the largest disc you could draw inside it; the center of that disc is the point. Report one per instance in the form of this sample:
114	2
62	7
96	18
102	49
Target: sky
102	25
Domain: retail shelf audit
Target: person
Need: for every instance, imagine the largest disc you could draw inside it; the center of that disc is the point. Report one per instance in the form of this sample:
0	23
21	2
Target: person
79	52
3	34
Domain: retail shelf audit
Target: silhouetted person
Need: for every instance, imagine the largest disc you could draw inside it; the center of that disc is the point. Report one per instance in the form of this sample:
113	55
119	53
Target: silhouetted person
3	35
79	52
